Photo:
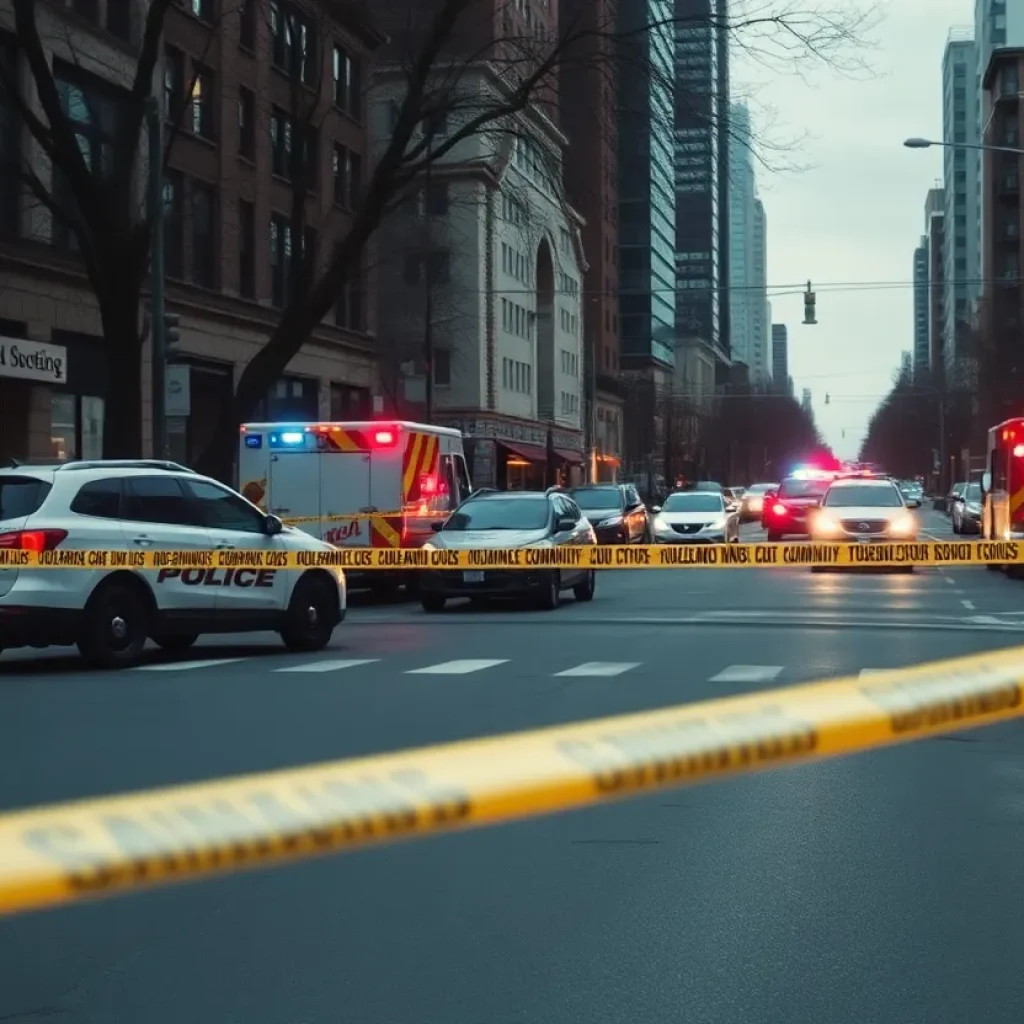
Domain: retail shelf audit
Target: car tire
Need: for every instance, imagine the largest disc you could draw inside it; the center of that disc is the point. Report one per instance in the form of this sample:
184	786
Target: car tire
433	602
175	641
310	618
585	591
774	537
550	597
115	626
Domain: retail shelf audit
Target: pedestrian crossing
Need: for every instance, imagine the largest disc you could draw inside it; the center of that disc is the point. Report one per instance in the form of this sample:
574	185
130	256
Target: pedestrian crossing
750	675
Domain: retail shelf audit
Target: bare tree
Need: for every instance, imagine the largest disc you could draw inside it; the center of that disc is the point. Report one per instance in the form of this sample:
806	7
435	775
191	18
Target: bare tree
486	85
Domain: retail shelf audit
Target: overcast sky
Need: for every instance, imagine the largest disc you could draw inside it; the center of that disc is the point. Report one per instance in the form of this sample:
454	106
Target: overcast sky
857	213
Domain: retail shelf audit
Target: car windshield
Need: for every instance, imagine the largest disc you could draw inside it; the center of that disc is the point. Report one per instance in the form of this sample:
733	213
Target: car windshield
973	493
860	495
21	496
802	489
500	514
761	488
692	502
597	497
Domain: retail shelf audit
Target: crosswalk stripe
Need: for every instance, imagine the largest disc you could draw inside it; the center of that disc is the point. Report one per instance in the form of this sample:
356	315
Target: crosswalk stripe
458	668
747	674
600	668
328	666
187	666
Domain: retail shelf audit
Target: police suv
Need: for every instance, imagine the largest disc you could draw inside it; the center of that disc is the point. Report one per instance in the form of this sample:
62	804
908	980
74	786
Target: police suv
149	505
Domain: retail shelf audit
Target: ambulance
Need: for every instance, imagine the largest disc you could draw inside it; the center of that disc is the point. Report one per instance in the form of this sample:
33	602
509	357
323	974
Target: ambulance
1002	484
356	484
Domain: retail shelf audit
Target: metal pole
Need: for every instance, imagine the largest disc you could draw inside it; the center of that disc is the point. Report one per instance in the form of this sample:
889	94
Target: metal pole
157	327
942	444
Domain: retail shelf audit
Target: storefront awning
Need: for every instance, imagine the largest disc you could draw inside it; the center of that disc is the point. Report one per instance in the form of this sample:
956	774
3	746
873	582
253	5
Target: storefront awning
530	452
567	455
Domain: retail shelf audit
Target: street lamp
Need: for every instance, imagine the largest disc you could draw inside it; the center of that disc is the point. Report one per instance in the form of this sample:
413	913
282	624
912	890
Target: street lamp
983	147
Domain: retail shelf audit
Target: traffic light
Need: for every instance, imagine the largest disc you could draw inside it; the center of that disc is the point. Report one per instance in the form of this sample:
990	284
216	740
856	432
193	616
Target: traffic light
809	311
172	334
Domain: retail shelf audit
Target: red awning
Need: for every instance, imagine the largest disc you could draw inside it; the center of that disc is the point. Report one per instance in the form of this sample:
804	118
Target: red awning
530	452
568	455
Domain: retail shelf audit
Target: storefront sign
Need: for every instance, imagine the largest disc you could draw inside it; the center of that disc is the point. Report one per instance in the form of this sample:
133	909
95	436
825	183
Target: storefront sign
33	360
515	433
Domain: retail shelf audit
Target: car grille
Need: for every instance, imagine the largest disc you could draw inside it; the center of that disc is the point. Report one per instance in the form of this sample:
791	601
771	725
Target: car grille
689	527
865	526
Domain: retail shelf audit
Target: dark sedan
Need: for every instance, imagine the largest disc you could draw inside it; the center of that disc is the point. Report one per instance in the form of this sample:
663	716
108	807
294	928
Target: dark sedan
786	514
616	513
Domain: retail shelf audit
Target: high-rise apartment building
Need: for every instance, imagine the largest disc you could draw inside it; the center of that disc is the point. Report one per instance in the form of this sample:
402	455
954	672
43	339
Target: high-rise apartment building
780	358
702	172
742	195
760	309
588	119
806	403
921	345
647	205
935	232
961	271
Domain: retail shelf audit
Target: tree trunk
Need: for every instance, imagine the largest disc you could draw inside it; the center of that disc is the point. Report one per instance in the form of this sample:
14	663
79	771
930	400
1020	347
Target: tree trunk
122	410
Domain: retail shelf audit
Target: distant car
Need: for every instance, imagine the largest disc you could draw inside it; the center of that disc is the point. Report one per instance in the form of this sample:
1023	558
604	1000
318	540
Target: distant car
696	517
786	514
510	519
966	514
753	501
866	511
956	494
615	511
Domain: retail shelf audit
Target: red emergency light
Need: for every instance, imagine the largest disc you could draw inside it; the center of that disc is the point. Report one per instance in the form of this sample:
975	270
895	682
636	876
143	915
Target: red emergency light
1018	451
385	438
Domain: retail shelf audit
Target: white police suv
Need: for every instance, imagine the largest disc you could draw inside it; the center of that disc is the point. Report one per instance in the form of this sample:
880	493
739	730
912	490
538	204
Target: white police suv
147	505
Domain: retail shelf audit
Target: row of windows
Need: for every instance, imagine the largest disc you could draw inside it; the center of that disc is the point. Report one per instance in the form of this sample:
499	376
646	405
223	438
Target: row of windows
570	403
569	322
515	264
570	363
566	285
516	376
513	211
516	319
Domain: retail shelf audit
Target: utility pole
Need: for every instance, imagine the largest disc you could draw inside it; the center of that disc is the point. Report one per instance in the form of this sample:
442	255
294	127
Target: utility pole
157	323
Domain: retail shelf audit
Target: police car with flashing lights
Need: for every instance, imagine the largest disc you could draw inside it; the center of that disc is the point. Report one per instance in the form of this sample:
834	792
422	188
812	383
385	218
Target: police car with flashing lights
150	505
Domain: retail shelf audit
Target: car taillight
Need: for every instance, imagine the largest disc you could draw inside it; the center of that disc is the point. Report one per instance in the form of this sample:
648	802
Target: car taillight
779	510
32	540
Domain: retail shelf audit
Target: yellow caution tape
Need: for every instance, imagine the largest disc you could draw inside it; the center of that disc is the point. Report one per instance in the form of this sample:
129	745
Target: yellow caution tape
69	852
652	556
297	520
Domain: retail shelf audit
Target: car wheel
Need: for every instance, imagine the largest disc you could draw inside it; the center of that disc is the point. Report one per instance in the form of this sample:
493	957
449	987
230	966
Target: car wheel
115	626
548	599
433	602
774	537
311	615
176	641
585	591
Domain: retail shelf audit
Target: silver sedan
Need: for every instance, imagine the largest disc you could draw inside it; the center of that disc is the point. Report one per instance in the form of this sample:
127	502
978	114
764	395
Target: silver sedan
696	517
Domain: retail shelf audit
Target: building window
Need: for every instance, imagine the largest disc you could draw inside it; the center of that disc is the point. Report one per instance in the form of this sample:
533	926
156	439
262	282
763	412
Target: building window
246	124
348	83
10	148
94	109
119	19
282	141
202	120
246	250
202	9
293	43
174	225
441	364
76	426
350	306
247	24
280	258
350	403
348	175
204	234
174	83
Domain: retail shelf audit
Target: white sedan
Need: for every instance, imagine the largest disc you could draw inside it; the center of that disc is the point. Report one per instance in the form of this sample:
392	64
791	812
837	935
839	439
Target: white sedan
696	517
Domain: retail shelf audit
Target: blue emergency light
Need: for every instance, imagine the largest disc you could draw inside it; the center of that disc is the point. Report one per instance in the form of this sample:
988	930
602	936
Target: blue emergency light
288	439
253	440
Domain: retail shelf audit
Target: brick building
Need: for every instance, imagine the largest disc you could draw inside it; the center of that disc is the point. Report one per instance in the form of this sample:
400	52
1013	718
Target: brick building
227	201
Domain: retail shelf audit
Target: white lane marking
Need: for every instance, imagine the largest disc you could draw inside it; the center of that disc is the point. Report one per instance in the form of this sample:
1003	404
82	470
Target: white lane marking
950	580
969	605
458	668
600	668
328	666
747	674
187	666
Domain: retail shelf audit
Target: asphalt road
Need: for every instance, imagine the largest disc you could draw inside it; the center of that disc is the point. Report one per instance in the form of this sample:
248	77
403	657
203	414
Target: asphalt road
877	888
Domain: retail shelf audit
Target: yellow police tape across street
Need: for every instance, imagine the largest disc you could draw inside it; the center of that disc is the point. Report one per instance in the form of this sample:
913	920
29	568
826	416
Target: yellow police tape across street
648	556
61	854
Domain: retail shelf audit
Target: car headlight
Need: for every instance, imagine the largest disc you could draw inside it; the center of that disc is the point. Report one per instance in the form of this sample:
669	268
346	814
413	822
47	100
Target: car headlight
825	525
717	525
430	546
902	526
662	525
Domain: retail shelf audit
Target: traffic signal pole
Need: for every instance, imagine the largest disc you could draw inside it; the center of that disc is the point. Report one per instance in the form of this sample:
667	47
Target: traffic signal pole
158	326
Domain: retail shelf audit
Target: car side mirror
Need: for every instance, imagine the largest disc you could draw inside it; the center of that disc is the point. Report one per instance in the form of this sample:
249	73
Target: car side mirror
986	482
913	503
565	524
272	526
438	526
655	508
